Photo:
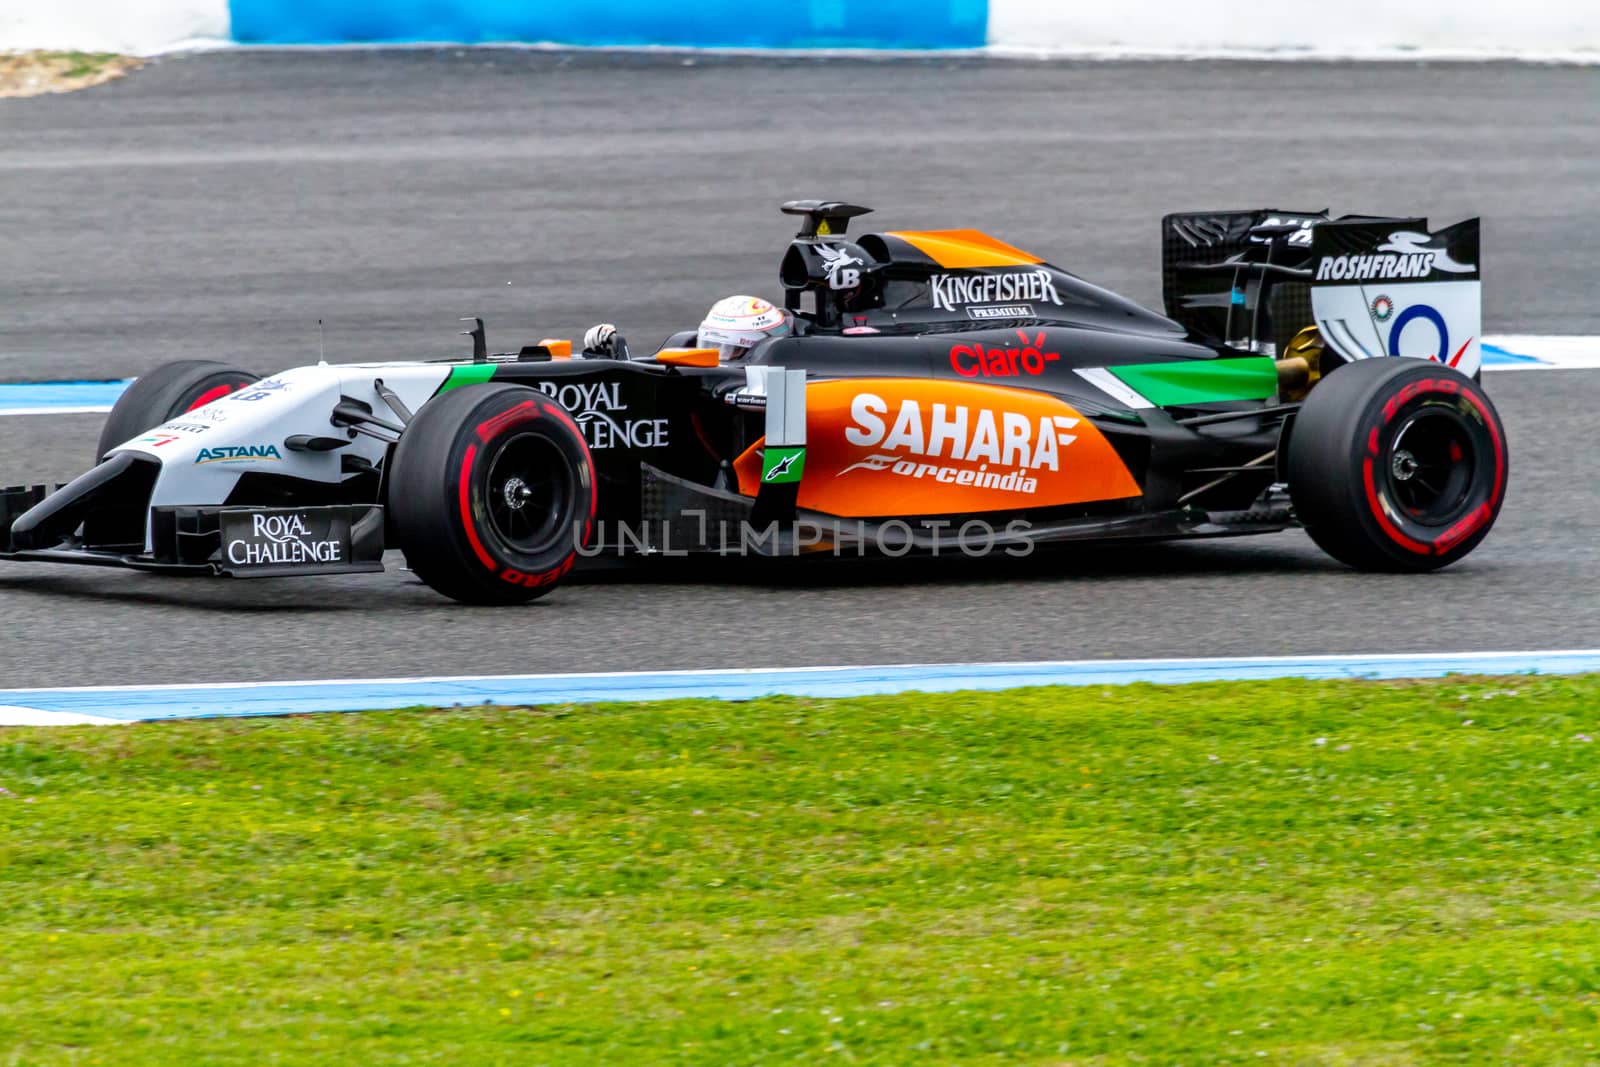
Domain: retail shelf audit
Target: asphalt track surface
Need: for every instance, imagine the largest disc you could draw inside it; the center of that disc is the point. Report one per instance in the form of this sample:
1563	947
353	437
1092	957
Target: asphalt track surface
218	205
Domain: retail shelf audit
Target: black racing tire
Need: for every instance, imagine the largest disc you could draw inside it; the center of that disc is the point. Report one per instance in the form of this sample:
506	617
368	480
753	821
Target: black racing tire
164	394
491	493
1397	464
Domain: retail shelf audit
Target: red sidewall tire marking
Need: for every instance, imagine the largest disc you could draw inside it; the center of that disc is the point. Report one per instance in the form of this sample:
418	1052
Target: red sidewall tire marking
526	411
1468	524
588	468
464	492
1499	447
214	394
1376	506
1407	392
1463	529
539	579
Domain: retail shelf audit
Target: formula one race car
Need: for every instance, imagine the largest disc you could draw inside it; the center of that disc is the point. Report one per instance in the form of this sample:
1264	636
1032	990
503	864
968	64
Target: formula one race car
937	390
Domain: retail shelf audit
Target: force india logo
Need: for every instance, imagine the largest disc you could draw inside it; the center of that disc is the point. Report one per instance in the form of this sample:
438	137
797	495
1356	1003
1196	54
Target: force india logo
600	410
897	447
950	291
1002	450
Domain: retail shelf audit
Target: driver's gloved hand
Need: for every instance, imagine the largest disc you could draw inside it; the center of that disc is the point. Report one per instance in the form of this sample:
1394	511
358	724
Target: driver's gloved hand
601	339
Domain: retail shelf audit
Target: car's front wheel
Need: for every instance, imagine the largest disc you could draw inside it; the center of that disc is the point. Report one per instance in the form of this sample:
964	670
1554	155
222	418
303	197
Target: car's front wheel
491	493
164	394
1397	464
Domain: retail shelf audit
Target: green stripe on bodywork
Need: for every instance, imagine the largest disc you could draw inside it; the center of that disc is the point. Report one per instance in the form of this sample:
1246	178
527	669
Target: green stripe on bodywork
1201	381
471	374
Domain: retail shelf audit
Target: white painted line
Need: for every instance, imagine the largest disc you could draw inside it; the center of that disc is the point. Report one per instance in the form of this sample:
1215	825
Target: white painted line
1552	352
11	715
96	409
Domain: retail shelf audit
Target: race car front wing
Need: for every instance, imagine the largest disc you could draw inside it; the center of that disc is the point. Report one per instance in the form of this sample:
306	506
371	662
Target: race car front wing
238	542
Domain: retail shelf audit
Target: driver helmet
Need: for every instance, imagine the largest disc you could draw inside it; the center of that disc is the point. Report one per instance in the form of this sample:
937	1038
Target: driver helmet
736	324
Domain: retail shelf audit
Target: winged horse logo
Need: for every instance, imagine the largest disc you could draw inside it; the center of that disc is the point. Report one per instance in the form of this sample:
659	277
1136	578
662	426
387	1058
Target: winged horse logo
837	261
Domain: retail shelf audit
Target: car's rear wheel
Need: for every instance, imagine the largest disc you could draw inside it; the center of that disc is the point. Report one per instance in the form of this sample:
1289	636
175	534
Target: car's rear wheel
1397	464
491	493
164	394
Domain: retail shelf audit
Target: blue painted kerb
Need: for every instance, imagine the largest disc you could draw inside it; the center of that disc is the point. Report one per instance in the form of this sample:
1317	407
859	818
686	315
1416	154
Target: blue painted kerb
875	24
48	396
281	698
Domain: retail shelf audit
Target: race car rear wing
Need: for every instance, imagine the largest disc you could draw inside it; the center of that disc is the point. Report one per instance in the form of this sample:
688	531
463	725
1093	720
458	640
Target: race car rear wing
1235	276
1256	279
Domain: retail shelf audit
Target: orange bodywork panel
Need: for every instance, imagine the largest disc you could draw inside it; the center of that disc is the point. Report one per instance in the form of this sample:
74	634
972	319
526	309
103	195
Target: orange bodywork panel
962	249
879	447
559	348
689	357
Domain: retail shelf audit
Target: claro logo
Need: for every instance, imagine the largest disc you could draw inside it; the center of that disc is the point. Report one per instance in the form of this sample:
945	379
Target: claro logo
975	360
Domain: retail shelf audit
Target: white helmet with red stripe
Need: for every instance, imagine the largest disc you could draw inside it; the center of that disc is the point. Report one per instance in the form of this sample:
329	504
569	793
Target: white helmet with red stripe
737	324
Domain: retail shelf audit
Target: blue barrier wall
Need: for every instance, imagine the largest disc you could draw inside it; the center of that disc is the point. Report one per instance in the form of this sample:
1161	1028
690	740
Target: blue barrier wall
892	24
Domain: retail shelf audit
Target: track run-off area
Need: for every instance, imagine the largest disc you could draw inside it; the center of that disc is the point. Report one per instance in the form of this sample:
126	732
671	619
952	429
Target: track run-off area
219	205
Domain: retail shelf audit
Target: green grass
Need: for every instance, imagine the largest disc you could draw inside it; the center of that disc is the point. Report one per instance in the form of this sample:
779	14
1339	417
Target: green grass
1139	875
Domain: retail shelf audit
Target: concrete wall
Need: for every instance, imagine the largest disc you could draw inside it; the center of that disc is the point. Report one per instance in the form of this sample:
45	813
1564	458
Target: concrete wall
136	27
1344	27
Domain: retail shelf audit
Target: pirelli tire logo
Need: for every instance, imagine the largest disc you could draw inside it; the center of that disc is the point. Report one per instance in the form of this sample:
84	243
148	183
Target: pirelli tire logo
909	447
